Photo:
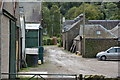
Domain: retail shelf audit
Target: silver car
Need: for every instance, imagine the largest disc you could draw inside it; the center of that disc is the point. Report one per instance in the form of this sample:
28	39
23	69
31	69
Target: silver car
111	53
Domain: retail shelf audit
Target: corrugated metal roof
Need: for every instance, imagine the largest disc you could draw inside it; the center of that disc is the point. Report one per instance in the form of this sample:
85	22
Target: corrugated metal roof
32	26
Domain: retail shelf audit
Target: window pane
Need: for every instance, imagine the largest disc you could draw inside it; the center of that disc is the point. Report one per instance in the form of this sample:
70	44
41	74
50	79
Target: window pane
118	50
112	50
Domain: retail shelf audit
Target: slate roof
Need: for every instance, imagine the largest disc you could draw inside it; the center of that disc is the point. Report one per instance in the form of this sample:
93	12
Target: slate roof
116	30
108	24
68	27
69	24
32	11
96	31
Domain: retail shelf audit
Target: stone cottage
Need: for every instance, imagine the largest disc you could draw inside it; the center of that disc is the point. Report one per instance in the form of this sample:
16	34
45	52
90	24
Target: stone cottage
96	31
70	31
97	38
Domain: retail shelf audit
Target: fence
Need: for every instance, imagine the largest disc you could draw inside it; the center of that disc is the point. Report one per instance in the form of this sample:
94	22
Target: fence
40	76
58	77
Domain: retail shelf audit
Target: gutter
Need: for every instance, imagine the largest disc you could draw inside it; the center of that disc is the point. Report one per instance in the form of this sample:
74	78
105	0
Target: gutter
7	14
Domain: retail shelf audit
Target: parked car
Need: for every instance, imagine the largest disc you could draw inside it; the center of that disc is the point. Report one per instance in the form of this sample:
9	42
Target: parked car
111	53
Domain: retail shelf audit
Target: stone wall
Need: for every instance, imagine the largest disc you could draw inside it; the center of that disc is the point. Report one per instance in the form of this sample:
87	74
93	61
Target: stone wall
5	45
93	46
69	36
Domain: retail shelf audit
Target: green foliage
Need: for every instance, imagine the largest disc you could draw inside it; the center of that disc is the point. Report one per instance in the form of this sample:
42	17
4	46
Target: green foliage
98	77
59	40
53	13
94	77
71	14
44	42
110	10
51	19
92	12
46	16
49	41
92	47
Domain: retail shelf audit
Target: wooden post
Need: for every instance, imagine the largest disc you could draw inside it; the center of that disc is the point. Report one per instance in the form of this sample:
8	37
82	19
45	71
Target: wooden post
80	77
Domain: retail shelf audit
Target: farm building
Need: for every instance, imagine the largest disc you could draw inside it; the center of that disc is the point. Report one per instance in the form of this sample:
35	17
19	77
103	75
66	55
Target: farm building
97	39
96	31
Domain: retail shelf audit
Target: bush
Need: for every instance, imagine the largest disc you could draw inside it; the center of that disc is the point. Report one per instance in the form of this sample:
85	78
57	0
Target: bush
49	41
94	77
52	41
59	40
44	42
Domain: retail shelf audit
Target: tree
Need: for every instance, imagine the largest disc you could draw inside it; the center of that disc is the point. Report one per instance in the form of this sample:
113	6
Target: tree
92	12
55	20
45	16
71	14
109	10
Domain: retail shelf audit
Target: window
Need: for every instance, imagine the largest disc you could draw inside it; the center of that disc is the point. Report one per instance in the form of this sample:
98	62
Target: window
118	50
113	50
98	32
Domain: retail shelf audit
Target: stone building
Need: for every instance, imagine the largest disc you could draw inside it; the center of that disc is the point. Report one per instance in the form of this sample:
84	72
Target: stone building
96	31
97	38
70	31
9	47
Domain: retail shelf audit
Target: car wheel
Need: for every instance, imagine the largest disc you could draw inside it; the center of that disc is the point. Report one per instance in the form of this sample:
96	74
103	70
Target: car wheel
103	58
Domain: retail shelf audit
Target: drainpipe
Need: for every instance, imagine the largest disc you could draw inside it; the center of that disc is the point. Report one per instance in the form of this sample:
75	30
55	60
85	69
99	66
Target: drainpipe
0	43
0	39
118	35
40	49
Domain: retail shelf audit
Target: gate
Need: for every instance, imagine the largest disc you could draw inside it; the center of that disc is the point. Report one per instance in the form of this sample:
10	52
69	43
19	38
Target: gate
49	76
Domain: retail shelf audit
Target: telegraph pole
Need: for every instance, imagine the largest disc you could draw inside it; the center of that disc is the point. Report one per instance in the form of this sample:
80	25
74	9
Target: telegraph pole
83	29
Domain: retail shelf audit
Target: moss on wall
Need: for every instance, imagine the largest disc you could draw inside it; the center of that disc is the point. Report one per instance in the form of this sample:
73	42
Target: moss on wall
93	46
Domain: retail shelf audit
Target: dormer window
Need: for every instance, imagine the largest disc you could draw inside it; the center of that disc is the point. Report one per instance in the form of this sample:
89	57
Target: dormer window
98	32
